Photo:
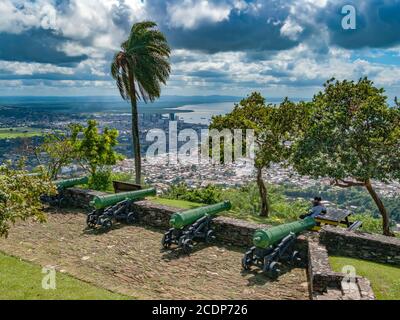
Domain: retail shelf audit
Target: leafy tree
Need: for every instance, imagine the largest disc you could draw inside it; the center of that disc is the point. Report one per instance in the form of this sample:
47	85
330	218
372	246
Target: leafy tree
273	127
20	196
56	152
353	138
94	151
139	69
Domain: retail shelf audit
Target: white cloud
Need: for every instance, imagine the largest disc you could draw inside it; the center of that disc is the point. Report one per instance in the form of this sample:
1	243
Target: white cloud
25	68
291	29
190	14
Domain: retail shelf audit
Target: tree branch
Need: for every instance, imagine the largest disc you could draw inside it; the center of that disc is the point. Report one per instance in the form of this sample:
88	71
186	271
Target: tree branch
347	183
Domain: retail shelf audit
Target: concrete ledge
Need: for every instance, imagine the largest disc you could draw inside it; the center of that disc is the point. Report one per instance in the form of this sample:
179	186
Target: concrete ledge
373	247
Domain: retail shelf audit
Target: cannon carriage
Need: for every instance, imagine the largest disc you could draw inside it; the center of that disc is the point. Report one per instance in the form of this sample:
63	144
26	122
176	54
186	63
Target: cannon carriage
115	208
193	225
276	244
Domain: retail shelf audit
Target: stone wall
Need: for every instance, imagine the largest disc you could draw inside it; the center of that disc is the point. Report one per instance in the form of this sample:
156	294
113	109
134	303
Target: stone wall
361	245
325	284
79	198
227	230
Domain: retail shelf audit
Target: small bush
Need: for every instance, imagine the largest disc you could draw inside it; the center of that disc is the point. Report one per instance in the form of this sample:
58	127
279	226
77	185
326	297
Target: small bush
208	195
100	181
370	224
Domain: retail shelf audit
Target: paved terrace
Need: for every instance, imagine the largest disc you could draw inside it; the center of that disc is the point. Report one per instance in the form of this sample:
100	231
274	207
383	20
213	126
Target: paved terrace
129	260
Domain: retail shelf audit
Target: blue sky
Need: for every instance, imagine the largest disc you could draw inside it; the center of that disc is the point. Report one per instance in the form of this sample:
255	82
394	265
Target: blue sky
227	47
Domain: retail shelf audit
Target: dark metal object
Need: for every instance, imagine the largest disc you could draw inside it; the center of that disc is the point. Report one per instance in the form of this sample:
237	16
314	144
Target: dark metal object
55	200
185	238
105	218
268	260
121	186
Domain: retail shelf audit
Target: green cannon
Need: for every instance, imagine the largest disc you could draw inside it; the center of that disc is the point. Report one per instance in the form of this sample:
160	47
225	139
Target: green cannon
275	243
101	202
61	185
191	225
116	207
69	183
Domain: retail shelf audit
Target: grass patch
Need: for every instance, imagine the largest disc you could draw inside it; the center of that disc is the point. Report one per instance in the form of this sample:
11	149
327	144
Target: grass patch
20	280
19	132
385	279
181	204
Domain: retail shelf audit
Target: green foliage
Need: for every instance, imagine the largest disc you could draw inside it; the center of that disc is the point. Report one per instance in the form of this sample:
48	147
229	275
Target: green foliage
245	202
352	133
370	224
208	195
357	199
94	151
19	132
20	196
353	138
103	180
100	180
143	59
55	152
274	126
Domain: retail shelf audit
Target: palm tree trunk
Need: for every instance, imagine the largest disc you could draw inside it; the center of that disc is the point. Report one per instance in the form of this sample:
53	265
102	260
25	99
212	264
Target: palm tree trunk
263	194
382	209
136	142
135	133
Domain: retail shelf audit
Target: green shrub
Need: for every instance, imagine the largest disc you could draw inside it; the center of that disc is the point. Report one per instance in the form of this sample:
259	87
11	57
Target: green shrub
245	201
370	224
100	181
208	195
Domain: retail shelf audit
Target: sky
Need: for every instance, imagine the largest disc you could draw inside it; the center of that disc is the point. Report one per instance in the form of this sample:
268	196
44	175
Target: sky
225	47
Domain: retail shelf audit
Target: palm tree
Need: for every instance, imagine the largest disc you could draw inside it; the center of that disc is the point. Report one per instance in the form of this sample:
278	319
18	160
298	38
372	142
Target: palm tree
140	68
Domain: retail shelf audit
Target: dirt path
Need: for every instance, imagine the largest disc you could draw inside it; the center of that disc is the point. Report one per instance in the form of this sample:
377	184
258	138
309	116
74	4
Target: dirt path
129	260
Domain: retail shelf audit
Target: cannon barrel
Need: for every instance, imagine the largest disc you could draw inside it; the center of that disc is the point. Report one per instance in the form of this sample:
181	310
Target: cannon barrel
101	202
69	183
181	219
263	238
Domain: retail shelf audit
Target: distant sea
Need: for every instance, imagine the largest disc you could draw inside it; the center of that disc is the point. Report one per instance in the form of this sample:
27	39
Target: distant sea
191	109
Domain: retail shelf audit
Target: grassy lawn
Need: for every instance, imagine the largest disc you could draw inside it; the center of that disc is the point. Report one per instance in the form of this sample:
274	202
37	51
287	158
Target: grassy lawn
19	132
385	279
182	204
20	280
